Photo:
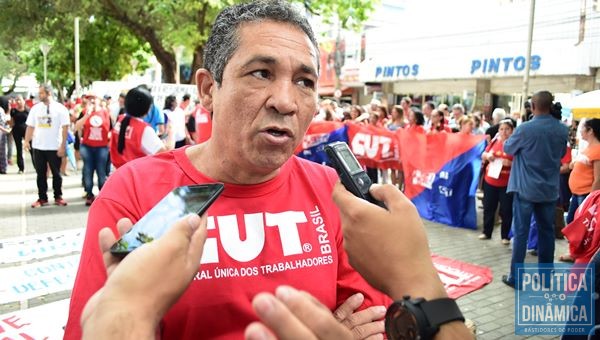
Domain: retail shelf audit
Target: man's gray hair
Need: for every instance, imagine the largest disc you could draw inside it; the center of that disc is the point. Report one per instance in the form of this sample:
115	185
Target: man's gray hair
498	114
458	107
47	88
224	37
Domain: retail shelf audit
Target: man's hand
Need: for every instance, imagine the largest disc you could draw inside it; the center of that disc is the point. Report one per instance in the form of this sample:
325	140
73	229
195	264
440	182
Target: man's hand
374	236
366	324
136	294
61	151
292	314
27	146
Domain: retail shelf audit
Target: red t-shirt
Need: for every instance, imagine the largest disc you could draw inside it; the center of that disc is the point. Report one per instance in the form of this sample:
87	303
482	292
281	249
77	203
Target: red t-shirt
291	234
96	129
497	148
133	141
203	124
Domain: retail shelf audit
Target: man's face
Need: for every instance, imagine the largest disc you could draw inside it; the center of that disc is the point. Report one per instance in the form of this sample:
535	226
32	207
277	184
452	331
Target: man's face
267	97
457	113
43	95
426	110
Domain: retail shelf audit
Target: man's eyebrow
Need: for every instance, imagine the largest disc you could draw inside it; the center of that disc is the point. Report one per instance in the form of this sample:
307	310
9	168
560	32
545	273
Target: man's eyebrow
309	69
272	61
260	59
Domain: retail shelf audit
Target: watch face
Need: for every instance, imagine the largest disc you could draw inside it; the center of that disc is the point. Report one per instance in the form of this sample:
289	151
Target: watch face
401	325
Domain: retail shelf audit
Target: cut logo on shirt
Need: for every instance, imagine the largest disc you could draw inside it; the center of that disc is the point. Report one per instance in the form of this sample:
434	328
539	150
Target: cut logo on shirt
246	243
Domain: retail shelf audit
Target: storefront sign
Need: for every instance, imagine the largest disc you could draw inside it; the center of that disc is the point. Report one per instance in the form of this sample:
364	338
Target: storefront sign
503	65
396	71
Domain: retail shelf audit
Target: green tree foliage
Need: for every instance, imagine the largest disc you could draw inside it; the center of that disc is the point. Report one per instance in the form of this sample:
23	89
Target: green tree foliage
125	30
106	48
166	24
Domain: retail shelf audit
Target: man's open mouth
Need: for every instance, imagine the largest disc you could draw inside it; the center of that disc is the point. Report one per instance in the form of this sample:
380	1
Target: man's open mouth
278	132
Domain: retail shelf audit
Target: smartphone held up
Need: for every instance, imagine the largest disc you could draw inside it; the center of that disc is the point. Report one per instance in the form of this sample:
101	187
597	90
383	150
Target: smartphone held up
181	201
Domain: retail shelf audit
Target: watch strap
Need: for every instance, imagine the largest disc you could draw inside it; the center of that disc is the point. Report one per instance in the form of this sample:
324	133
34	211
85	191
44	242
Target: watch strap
441	311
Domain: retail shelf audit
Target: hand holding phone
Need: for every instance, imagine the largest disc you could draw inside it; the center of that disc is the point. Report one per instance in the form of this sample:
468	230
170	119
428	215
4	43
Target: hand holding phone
351	173
178	203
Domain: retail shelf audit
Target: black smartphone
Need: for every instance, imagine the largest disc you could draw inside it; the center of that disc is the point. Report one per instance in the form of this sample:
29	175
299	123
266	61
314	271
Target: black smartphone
176	204
351	173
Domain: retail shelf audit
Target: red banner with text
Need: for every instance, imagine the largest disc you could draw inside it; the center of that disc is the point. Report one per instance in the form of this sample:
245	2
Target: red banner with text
374	147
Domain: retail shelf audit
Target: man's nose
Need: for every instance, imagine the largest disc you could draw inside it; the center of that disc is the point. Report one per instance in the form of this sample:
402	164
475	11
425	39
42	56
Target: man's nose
283	97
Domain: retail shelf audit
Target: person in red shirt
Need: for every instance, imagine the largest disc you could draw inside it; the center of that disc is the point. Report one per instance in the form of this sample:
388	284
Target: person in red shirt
275	221
438	123
203	123
286	313
29	102
132	137
495	182
416	121
94	128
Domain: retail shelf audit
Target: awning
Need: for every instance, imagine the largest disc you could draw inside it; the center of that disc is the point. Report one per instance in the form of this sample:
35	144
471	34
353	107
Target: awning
586	105
329	90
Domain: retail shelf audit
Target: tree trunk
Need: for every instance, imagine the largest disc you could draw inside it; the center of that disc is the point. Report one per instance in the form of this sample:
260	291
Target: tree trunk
198	58
11	88
197	62
70	90
165	57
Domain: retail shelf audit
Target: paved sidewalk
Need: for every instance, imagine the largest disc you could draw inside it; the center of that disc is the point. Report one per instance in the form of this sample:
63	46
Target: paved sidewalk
491	308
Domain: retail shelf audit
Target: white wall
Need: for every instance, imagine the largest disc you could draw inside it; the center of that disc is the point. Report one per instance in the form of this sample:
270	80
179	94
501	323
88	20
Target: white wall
445	37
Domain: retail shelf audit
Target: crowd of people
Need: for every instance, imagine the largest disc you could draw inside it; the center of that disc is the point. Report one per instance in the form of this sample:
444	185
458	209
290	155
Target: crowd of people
258	90
87	131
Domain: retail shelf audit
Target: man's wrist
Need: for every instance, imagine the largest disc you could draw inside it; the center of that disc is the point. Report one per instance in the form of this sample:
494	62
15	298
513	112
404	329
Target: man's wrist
454	330
425	284
118	323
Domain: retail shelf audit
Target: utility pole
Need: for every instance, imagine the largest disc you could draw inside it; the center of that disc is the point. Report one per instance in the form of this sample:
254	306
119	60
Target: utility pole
528	59
77	73
45	48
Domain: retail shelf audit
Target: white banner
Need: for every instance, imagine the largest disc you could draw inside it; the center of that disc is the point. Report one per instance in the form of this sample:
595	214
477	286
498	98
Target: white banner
37	279
42	322
159	91
41	246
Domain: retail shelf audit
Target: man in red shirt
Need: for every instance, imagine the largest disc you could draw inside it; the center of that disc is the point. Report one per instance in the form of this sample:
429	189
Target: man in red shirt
275	222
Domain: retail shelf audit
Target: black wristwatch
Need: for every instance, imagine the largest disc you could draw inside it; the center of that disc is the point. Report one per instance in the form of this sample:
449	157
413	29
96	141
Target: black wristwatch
418	318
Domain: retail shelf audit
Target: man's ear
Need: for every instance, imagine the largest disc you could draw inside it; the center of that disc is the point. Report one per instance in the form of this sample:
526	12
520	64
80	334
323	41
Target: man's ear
205	83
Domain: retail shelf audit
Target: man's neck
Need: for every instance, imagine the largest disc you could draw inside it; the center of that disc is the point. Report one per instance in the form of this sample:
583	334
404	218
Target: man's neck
209	160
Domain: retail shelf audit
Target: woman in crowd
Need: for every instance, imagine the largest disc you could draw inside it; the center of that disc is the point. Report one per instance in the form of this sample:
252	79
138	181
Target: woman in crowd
480	124
438	124
18	117
585	176
495	183
94	128
382	113
416	121
397	121
356	111
132	137
169	136
466	125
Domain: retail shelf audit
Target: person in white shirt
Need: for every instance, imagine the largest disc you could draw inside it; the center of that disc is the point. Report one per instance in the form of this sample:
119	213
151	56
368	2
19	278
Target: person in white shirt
47	126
